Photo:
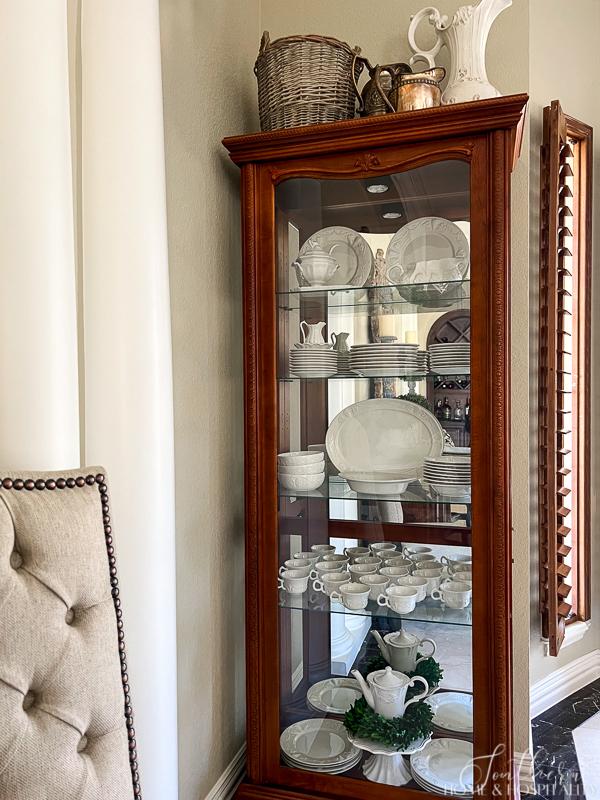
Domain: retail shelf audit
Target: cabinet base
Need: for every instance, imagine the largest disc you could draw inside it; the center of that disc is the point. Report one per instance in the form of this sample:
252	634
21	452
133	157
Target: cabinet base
249	791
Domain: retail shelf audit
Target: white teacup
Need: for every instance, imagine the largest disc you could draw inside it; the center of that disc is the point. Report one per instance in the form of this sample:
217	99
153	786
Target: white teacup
422	558
401	599
415	550
294	581
376	547
354	596
420	584
456	561
453	594
321	567
461	577
331	581
373	560
295	563
309	556
356	570
456	569
393	573
356	552
376	583
434	578
336	558
398	561
322	549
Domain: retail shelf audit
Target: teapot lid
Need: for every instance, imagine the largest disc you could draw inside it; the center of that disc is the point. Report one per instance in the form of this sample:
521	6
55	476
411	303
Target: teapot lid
388	678
402	637
315	249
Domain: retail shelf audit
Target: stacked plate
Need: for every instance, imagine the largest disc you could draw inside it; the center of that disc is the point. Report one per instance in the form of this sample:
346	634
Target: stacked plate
448	474
383	359
450	357
313	363
452	714
444	767
423	361
343	362
318	745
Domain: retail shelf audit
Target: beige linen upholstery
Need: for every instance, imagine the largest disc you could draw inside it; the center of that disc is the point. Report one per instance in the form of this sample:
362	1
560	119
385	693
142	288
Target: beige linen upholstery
65	714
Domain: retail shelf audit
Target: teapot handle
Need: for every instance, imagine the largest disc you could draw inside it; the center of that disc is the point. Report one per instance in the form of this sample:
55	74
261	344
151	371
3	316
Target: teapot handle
433	645
435	19
423	694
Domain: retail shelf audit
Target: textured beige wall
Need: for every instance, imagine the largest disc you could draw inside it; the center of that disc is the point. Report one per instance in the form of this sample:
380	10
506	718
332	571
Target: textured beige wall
208	53
577	92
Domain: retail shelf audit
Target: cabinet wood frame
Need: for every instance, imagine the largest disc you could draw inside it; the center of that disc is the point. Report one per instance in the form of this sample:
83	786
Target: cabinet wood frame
486	134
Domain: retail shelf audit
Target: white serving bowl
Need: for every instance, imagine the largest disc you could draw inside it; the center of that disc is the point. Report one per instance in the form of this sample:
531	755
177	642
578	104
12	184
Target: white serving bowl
302	483
383	483
303	469
452	490
300	458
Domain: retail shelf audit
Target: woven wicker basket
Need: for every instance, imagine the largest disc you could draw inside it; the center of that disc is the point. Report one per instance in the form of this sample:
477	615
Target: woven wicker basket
305	80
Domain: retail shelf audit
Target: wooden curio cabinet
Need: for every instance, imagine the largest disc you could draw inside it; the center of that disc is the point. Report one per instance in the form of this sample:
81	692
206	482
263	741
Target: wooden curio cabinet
394	231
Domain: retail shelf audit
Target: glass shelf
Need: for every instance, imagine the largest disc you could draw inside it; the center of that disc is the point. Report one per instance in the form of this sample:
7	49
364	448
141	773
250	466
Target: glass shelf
428	610
336	488
405	298
429	376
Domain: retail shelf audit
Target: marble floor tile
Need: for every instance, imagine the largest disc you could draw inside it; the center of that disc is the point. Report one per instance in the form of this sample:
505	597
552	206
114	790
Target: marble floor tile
587	746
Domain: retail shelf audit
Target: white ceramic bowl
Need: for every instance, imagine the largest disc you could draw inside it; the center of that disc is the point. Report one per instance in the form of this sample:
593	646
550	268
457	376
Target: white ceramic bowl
303	469
300	458
383	483
301	483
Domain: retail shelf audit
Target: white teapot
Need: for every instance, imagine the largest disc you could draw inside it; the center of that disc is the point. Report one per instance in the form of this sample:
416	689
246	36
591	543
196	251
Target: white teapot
317	266
400	649
385	691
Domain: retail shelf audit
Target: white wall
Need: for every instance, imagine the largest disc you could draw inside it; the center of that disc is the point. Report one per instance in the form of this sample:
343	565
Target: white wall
208	51
577	36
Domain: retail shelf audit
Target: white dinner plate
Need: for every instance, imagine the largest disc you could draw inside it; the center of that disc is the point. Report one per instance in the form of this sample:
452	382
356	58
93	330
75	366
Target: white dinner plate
317	742
452	711
384	362
383	435
427	239
350	250
334	695
446	765
385	372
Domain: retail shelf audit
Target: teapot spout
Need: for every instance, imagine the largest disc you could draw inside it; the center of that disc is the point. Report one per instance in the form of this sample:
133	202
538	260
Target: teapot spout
364	686
383	648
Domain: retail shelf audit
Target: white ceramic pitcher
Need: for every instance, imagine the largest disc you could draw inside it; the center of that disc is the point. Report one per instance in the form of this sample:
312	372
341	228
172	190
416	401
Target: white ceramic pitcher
313	333
401	649
385	691
465	36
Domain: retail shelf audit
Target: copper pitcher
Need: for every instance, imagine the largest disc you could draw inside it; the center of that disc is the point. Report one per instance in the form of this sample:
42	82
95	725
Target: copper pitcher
411	91
371	101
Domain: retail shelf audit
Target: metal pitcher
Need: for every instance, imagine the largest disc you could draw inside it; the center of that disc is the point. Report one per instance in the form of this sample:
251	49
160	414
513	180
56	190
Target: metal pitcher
371	101
411	91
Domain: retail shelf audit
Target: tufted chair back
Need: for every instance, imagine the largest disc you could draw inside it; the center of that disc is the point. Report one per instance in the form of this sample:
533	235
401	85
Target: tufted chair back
66	724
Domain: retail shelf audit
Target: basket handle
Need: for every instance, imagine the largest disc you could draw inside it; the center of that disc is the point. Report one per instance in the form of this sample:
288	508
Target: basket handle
357	57
265	41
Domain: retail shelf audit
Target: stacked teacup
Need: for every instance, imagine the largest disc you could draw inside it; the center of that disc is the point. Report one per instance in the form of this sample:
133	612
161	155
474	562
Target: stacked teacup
301	471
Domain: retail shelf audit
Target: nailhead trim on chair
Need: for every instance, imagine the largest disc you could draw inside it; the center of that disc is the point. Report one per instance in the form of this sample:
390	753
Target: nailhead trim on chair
70	483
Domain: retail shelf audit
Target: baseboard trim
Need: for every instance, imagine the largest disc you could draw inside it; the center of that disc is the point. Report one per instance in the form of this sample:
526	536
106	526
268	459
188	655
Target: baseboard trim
563	682
525	773
231	778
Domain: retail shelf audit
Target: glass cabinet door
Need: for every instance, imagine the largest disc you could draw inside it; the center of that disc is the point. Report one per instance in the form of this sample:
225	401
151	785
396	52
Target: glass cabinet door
374	477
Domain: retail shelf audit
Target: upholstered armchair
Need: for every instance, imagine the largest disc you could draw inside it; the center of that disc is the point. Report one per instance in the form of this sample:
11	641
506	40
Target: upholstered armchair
66	722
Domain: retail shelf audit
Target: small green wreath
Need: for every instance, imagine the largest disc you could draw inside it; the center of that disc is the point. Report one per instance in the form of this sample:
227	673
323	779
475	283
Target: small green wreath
400	732
429	669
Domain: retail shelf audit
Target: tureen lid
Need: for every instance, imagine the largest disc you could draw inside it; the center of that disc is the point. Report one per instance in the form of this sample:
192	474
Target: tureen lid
388	678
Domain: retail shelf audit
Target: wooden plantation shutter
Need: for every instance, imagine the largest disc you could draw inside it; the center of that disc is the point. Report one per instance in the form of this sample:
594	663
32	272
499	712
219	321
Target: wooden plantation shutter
565	244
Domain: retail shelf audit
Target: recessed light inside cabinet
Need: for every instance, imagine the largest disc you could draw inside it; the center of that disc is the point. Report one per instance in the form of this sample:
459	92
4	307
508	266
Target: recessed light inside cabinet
377	188
391	215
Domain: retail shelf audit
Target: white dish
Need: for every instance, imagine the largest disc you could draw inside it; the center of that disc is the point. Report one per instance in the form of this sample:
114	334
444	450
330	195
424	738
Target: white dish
452	370
452	490
324	770
369	483
317	743
303	469
301	483
380	345
453	711
379	749
300	457
434	790
334	695
385	372
383	435
446	765
350	250
421	242
315	347
451	459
